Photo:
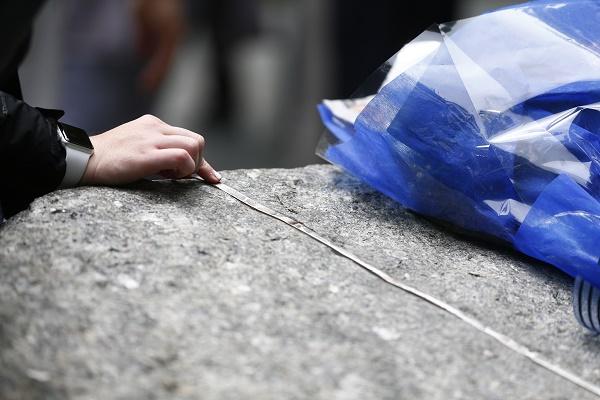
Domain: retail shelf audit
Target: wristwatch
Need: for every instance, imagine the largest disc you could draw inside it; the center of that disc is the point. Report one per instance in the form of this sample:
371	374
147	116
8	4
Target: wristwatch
79	149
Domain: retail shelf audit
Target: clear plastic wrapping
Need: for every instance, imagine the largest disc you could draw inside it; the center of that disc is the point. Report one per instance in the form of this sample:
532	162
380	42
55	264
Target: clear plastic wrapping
491	124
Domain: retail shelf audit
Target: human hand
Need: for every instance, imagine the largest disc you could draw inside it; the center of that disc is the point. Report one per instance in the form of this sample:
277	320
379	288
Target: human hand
146	146
160	25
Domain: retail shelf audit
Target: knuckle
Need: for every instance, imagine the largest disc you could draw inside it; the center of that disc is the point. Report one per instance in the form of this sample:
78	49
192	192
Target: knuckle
151	120
195	147
190	169
180	156
201	142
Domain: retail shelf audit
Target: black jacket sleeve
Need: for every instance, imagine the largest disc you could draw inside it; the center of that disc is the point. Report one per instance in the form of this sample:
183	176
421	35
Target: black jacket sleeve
32	157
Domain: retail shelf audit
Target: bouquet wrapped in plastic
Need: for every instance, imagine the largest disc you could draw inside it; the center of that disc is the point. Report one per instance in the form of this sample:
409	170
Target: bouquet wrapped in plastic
491	124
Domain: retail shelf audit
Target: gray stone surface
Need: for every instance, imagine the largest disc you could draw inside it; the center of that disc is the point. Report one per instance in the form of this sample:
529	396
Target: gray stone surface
175	290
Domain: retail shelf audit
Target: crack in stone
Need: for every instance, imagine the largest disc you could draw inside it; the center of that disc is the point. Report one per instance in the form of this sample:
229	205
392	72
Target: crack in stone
506	341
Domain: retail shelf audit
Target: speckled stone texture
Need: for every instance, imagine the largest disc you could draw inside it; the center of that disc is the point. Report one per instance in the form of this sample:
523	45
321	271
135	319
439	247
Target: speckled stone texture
174	290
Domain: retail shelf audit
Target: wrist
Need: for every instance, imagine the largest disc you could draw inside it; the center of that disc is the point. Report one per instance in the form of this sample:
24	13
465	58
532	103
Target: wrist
89	175
79	150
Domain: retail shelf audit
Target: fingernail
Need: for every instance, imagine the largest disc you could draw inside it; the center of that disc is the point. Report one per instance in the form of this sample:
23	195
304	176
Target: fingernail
217	175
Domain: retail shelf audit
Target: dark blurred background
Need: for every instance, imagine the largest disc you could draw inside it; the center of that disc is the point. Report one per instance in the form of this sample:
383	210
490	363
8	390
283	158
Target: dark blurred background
247	74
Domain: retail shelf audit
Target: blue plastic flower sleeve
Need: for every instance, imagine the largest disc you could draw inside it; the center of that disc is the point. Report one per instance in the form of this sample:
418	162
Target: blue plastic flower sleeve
491	124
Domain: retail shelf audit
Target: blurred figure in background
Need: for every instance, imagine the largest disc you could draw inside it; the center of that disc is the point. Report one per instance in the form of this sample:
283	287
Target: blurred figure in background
228	22
119	53
116	55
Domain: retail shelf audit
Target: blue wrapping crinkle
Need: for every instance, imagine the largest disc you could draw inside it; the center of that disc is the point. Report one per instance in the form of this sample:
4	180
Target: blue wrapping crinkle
491	124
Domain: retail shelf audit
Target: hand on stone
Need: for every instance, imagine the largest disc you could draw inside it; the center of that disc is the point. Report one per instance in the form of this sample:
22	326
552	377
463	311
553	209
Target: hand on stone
146	146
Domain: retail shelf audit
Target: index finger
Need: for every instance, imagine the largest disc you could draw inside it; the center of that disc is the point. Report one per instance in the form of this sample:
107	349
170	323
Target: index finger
208	173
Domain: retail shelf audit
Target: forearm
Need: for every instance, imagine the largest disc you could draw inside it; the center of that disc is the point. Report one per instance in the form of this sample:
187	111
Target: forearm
32	157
